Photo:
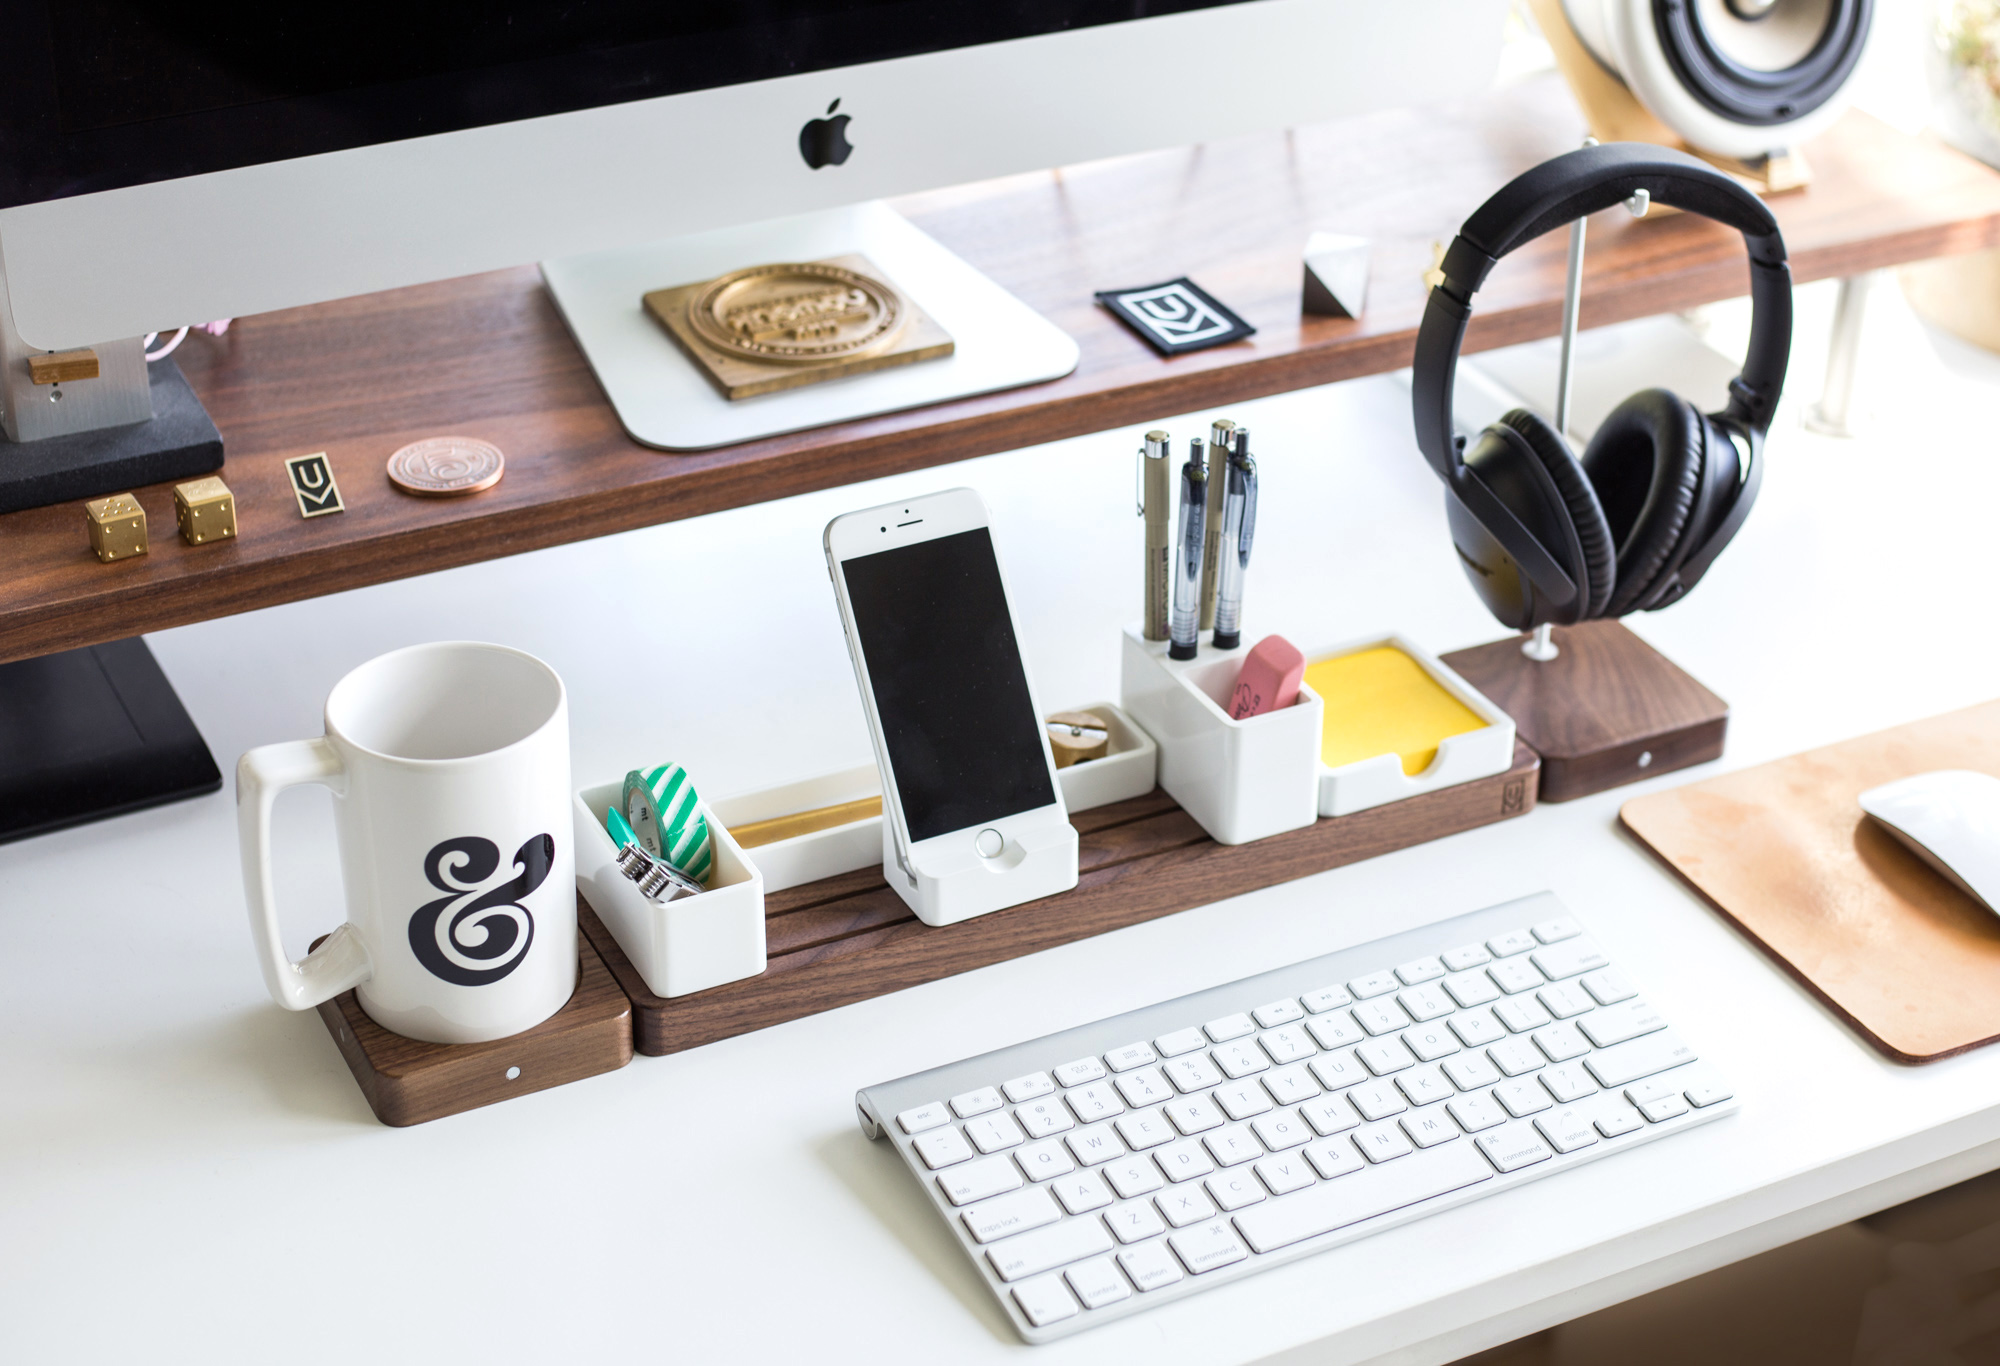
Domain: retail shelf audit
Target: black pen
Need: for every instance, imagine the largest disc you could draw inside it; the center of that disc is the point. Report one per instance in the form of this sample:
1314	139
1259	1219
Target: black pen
1185	629
1239	515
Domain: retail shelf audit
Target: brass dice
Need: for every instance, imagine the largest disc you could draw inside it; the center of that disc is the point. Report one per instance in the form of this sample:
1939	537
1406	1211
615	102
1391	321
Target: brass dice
117	527
206	510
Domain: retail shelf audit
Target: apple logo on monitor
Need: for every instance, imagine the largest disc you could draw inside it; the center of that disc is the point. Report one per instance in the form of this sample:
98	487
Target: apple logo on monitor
823	142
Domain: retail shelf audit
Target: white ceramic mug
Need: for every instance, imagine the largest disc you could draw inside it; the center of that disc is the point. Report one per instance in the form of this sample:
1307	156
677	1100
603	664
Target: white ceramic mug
449	765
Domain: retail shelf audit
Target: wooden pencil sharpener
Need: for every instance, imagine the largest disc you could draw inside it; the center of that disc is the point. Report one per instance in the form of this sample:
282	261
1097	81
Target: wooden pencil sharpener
1077	736
117	527
206	511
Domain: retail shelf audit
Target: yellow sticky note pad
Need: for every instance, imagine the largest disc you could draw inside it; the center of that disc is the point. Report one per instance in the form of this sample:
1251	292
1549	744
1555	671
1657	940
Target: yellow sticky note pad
1381	701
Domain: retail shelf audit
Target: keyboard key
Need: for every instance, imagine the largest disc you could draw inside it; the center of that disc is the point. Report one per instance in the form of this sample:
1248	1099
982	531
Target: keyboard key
923	1117
1183	1161
1280	1131
1233	1144
1641	1092
1567	1083
1703	1094
1567	960
1133	1176
1151	1266
1476	1112
1381	1016
1378	1100
1335	1029
1045	1301
1472	988
1522	1014
1430	1042
1466	956
1424	1085
1609	986
1618	1121
1192	1073
1239	1059
1044	1249
1476	1027
1097	1282
1514	975
1016	1212
1229	1027
1566	1130
1094	1101
1042	1118
981	1180
1081	1192
1470	1071
1143	1129
1564	1000
1098	1143
991	1133
1423	1003
1290	1085
1331	1115
1560	1043
1234	1190
1374	984
1338	1070
1030	1087
1522	1097
1130	1056
1506	945
1184	1205
1136	1221
1515	1056
1207	1247
1179	1042
1384	1056
1242	1099
1555	931
1429	1128
942	1147
1642	1057
1336	1204
1040	1161
1420	970
1665	1108
1081	1071
1193	1114
1617	1023
976	1102
1145	1087
1514	1147
1284	1173
1335	1157
1326	998
1278	1013
1286	1044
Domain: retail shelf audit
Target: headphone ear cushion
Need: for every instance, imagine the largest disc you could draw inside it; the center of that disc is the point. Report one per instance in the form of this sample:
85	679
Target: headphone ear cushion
1645	463
1600	564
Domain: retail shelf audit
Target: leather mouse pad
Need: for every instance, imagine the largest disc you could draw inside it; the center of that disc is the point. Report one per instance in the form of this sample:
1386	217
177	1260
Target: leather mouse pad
1784	851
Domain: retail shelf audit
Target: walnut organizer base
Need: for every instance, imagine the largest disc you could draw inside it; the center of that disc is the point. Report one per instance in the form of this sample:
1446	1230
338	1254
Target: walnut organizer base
848	938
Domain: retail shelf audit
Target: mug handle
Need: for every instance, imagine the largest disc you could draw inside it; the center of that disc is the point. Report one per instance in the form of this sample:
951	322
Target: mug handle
342	960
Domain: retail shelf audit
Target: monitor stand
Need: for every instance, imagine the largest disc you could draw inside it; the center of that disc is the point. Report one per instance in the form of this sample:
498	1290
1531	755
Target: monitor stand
664	400
91	733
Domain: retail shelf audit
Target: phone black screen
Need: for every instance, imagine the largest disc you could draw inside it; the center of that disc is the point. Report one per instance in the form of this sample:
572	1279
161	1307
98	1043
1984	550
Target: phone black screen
960	727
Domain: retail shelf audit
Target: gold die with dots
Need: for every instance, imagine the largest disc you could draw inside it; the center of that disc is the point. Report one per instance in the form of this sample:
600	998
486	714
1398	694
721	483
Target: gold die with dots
206	510
117	527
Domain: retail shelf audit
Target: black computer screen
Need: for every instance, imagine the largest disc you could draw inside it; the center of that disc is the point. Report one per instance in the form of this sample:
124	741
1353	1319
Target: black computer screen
103	94
959	724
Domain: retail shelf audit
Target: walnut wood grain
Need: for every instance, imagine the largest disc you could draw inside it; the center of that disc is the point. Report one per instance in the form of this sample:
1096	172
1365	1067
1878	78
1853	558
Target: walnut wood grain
487	355
849	938
1609	709
408	1082
60	367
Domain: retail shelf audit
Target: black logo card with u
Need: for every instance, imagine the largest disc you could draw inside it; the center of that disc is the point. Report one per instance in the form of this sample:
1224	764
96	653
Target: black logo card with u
1176	316
313	486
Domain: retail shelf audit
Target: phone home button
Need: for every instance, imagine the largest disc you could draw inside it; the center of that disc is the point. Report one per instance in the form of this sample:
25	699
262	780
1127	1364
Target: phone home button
988	843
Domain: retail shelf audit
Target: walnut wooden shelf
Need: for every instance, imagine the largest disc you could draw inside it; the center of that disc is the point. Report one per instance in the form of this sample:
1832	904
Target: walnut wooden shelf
848	938
487	355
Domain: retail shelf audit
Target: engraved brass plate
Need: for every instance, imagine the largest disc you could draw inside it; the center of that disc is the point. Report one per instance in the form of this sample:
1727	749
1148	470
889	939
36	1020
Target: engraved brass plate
775	327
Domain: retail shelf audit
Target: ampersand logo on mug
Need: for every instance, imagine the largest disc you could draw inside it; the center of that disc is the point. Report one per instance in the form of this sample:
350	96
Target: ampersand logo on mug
489	931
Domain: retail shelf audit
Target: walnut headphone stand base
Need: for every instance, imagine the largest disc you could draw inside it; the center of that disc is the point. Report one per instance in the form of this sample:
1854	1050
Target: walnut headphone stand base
1609	709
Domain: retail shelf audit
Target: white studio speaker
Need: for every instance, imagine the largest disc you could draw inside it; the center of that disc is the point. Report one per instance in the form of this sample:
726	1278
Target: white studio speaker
1735	78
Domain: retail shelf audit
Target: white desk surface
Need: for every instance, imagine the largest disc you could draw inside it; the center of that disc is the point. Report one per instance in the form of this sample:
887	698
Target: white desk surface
188	1172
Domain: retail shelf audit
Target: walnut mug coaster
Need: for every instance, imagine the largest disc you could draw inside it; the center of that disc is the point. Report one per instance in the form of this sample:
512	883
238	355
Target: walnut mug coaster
449	765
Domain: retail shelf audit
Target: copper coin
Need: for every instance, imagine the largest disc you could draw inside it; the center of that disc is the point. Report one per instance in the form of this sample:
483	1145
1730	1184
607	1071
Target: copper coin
446	466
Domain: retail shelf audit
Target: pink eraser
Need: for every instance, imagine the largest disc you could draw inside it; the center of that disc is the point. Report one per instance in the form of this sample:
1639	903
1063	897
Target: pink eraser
1269	680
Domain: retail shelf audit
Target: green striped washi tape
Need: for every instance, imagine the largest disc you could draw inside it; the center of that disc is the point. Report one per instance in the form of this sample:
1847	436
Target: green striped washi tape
666	815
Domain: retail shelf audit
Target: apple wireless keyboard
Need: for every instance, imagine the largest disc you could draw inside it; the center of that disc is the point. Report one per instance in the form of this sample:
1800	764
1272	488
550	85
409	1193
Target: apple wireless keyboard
1093	1173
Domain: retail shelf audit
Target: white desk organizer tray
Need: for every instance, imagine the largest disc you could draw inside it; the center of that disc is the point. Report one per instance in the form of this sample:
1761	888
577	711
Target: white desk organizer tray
1240	780
1129	770
685	945
1460	758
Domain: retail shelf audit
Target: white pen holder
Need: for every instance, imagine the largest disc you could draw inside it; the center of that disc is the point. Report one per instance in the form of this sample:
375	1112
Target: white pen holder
690	943
1240	780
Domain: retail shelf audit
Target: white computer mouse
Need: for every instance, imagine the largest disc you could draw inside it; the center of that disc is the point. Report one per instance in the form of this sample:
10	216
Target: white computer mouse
1951	820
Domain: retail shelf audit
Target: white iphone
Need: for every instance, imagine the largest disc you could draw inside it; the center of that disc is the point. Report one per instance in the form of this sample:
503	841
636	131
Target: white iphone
972	814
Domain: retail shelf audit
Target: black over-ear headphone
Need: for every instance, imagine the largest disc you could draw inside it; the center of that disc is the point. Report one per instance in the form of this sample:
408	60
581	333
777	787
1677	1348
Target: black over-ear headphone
1661	489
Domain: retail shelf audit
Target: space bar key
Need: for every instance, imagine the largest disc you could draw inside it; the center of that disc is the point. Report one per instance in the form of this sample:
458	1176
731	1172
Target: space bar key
1349	1200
